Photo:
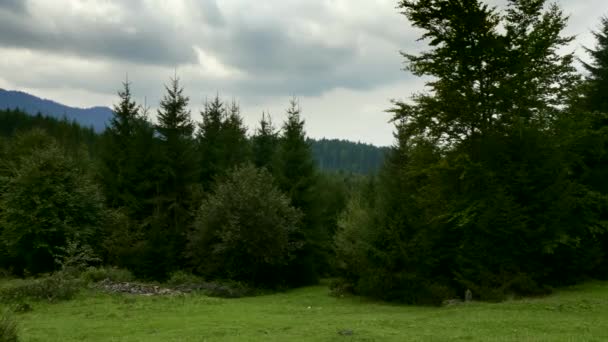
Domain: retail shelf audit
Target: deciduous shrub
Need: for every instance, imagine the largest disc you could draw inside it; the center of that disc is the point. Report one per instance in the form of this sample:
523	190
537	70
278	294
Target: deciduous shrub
49	198
53	288
245	231
97	274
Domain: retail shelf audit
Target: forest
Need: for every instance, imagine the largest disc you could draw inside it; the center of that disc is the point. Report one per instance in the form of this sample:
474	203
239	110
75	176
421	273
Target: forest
496	182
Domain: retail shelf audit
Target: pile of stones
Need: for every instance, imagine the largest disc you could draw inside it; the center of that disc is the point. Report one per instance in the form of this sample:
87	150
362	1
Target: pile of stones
135	288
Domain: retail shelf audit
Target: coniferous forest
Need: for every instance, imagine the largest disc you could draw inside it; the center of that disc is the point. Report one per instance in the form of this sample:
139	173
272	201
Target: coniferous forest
497	181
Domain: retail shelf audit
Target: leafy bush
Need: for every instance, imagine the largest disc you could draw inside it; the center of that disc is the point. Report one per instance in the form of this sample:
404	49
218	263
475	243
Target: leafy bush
245	231
8	327
48	200
97	274
52	288
183	278
75	258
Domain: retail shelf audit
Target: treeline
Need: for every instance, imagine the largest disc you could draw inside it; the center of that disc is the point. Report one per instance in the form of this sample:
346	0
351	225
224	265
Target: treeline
179	195
496	183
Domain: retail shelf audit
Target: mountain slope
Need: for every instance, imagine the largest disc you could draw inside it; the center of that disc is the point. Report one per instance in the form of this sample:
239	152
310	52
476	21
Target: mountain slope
95	117
347	156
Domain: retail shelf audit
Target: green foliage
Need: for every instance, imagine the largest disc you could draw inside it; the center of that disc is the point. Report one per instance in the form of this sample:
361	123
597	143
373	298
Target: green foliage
264	143
246	230
162	250
129	158
75	258
479	193
9	331
58	286
297	176
209	139
180	278
97	274
70	135
49	199
221	140
597	80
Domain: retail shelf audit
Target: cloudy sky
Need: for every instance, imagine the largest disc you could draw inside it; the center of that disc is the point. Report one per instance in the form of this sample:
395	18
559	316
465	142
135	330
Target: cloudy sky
339	57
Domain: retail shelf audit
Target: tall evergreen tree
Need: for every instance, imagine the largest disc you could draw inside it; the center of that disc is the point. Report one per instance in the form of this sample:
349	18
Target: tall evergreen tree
237	149
588	128
221	139
296	175
597	81
126	156
179	171
209	140
264	143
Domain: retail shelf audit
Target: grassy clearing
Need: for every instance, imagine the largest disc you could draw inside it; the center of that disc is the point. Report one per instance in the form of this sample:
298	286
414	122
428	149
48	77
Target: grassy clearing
309	314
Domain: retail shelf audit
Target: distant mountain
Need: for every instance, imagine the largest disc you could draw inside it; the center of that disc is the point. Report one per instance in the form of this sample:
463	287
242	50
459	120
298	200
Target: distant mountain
95	117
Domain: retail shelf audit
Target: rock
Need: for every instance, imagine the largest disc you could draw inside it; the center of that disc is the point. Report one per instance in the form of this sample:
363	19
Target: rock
468	296
135	288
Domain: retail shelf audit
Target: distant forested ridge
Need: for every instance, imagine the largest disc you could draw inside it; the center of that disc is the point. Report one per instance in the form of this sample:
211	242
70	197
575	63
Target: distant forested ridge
332	155
69	133
96	117
347	156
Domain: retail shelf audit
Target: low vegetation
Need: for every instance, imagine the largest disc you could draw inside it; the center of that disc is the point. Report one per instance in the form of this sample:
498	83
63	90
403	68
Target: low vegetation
578	313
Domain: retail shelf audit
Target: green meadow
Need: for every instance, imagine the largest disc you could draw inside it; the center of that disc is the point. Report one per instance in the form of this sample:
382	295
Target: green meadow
578	313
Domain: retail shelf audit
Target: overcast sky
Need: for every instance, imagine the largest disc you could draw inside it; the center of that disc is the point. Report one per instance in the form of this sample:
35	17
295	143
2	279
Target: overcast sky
339	57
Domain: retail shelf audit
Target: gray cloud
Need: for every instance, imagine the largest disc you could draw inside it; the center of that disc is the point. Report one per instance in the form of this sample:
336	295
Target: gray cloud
256	51
14	6
274	58
141	40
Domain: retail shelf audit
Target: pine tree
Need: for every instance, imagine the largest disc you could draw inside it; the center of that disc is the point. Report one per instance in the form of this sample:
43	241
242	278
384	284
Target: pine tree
596	92
179	170
221	139
264	143
296	175
209	140
126	160
237	149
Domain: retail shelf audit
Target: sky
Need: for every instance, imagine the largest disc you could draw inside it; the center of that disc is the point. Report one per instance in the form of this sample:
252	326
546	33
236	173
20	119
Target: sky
340	58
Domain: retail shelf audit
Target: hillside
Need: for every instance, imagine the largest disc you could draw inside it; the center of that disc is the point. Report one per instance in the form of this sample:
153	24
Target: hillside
95	117
347	156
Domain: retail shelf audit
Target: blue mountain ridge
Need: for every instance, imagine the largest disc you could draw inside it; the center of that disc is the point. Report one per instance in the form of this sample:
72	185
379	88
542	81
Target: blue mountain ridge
96	117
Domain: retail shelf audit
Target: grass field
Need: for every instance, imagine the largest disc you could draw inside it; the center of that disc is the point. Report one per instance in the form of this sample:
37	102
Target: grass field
309	314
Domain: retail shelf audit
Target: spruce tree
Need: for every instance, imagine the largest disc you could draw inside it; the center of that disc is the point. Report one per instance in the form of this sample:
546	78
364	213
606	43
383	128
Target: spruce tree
296	175
126	155
221	140
179	170
209	140
264	143
596	92
236	146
